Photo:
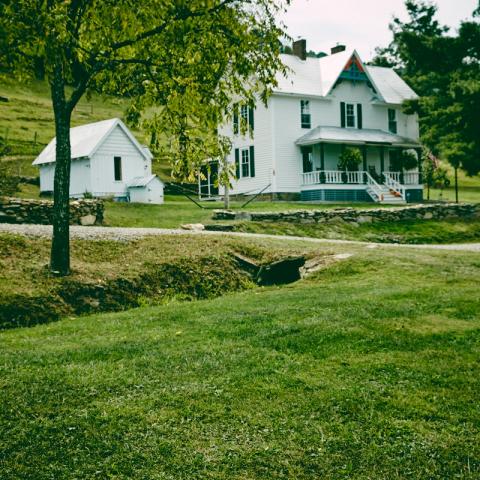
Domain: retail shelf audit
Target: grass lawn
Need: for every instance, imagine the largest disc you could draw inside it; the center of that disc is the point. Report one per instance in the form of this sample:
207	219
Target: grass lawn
368	370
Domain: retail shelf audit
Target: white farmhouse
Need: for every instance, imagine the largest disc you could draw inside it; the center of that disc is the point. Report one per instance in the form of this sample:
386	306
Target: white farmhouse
321	107
107	161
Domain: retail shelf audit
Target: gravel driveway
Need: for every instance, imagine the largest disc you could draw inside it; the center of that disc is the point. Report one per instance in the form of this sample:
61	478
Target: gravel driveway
125	234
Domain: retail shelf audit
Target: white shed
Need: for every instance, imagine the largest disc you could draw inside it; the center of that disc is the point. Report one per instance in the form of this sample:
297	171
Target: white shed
146	190
106	158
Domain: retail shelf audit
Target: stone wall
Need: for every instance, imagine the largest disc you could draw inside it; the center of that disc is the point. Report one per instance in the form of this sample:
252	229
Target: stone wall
353	215
19	210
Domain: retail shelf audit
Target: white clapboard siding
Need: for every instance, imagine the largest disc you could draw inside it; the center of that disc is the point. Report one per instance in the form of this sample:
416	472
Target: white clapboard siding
134	164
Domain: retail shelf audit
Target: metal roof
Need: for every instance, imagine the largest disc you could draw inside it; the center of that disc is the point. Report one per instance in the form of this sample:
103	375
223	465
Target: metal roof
354	136
86	139
142	181
317	77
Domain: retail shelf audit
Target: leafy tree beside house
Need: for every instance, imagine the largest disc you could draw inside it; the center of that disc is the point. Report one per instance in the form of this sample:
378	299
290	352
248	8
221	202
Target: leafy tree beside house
444	69
189	56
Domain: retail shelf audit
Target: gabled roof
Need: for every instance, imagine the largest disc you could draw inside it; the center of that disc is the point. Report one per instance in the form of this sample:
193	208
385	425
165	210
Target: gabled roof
394	90
142	181
354	136
86	139
318	76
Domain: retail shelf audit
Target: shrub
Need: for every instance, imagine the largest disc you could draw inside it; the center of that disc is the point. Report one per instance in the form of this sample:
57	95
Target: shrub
350	159
409	159
8	182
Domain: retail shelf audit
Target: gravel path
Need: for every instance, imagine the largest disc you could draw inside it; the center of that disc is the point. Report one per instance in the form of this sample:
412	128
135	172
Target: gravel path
124	234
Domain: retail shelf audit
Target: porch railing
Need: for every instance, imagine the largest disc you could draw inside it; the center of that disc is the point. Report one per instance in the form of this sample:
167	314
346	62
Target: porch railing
332	177
357	178
373	188
394	185
407	178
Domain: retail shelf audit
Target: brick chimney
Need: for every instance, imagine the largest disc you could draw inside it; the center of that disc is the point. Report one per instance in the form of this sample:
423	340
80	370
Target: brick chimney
338	49
299	48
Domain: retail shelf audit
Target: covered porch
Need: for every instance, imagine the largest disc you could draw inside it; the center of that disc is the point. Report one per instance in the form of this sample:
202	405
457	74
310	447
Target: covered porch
380	175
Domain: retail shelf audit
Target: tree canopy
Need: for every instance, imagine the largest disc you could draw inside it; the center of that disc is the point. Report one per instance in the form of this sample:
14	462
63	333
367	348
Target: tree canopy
444	69
186	58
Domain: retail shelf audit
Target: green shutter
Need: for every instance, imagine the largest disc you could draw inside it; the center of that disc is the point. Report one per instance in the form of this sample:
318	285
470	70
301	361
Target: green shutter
250	118
235	118
342	114
237	163
252	161
359	116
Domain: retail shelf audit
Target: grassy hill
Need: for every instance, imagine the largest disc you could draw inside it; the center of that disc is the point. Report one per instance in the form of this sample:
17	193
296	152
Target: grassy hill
364	371
27	124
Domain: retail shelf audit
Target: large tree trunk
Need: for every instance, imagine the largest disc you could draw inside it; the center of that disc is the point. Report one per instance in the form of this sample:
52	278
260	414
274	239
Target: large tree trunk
60	253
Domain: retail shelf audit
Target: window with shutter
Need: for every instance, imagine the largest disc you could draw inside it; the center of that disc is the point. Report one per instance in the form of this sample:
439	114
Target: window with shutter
245	162
305	116
350	115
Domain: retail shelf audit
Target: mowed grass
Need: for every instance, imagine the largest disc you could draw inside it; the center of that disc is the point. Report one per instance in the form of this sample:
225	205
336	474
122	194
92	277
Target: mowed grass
178	210
368	370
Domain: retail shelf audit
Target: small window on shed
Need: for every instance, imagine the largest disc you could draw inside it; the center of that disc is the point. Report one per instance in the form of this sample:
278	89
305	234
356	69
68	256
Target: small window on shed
117	168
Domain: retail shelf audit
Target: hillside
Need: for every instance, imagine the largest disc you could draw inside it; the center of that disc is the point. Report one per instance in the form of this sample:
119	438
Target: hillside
27	125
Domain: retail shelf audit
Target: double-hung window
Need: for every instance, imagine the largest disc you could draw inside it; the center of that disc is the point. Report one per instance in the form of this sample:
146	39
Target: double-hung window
305	116
243	117
245	163
392	120
351	120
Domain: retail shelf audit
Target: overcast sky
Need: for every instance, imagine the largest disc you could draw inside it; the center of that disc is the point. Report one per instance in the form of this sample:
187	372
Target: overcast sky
361	24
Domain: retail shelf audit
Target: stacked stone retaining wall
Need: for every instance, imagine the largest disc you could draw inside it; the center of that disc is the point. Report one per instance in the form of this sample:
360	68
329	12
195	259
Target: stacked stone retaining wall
19	210
353	215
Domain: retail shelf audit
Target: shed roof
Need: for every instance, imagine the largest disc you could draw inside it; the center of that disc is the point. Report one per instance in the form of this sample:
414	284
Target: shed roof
354	136
86	139
317	77
142	181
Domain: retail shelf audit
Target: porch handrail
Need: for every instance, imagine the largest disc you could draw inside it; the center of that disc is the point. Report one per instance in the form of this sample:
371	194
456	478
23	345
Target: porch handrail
409	178
332	177
373	187
394	185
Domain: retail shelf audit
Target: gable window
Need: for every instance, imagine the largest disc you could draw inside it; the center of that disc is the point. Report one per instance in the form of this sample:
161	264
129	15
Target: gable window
305	117
307	158
245	162
117	168
351	115
392	120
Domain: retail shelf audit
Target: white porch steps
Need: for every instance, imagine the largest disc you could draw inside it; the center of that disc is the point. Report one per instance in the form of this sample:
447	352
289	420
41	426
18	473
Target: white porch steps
387	197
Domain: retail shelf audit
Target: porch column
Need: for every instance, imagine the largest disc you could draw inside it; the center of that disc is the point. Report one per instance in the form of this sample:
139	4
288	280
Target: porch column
322	156
382	163
419	155
364	155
